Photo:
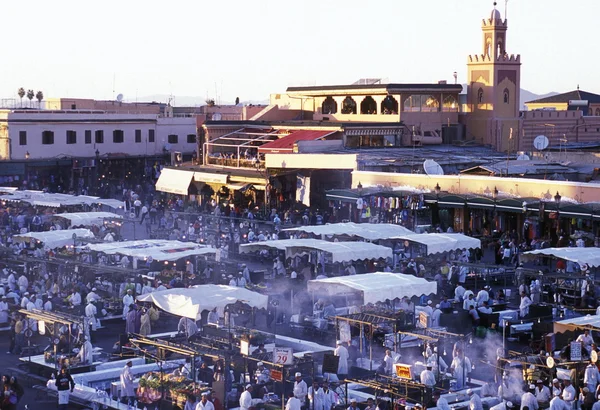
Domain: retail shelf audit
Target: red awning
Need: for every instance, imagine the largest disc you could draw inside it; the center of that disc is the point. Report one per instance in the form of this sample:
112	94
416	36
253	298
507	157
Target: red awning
286	144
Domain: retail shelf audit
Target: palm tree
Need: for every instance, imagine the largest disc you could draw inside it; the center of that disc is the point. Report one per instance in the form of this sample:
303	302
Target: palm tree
30	95
21	94
39	96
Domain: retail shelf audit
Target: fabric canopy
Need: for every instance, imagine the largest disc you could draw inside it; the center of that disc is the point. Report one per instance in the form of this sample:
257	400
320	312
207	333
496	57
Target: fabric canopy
371	232
339	251
174	181
87	218
40	198
375	287
54	239
157	249
190	302
578	323
588	256
442	242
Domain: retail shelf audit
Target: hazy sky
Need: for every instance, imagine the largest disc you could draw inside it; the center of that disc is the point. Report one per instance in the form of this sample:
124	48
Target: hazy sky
252	48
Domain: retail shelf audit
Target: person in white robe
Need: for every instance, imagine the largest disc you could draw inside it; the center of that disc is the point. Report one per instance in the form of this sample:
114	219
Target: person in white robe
127	300
127	387
342	353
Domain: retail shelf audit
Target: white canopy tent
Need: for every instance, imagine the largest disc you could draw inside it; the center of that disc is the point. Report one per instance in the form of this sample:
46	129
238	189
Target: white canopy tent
190	302
157	249
87	218
54	239
578	323
588	256
174	181
40	198
368	231
442	242
339	251
375	287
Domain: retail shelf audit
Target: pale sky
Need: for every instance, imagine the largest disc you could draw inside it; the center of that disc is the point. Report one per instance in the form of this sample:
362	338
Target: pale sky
75	48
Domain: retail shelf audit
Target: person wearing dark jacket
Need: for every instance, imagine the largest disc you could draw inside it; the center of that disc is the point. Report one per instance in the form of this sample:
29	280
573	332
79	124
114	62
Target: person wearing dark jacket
65	385
17	388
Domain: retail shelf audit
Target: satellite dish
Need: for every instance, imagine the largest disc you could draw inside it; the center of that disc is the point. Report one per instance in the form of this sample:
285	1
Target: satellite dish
217	116
550	362
594	356
432	168
120	97
541	142
523	157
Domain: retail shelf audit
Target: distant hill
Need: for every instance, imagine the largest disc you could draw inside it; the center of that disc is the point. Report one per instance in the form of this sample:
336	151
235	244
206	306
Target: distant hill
529	96
190	101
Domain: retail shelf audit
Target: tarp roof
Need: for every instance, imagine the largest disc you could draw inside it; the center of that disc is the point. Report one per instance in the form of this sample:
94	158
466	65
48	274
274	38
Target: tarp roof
340	251
39	198
367	231
87	218
54	239
286	144
443	242
174	181
375	287
190	302
577	323
588	256
157	249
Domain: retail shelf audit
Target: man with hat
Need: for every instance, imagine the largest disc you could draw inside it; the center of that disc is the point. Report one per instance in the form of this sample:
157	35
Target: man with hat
353	405
4	310
435	316
315	396
440	402
591	376
25	300
569	395
232	281
427	377
542	394
204	403
127	388
127	300
262	374
528	399
293	403
557	403
428	309
64	385
92	296
341	352
300	388
556	387
241	281
246	398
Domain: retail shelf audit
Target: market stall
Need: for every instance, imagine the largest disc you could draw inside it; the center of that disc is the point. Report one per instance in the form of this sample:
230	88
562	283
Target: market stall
581	256
374	287
51	200
338	251
192	301
84	218
441	242
368	231
155	249
54	239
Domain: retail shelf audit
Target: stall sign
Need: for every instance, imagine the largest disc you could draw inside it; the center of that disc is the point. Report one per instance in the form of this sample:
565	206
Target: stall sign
277	375
244	347
403	371
575	351
423	319
283	355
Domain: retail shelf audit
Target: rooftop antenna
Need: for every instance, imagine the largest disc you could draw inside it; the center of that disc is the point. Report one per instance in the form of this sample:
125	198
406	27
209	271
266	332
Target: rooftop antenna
114	80
505	10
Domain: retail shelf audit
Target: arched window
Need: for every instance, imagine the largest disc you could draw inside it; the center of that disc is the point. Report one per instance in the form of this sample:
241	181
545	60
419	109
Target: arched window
500	49
480	96
329	106
597	112
368	105
450	103
506	96
429	103
389	105
348	106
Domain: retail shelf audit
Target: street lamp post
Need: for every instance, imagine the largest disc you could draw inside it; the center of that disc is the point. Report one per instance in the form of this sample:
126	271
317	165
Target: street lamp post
557	199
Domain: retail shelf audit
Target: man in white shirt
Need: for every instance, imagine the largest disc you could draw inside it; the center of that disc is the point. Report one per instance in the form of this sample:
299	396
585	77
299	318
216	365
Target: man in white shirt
440	402
459	292
485	308
587	341
342	353
569	395
160	286
556	387
23	283
92	296
542	393
25	300
213	317
557	403
246	398
435	316
300	388
328	396
428	309
127	300
90	312
48	304
293	403
528	399
427	377
187	326
204	403
315	396
483	296
591	376
388	361
469	302
474	401
524	306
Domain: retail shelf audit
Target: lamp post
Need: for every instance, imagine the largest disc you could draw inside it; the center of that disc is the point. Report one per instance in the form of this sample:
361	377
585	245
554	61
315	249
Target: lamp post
557	199
437	189
414	205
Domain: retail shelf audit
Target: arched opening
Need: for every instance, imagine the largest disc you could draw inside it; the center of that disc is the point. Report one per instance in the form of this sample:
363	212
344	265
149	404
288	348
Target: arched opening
368	106
500	50
597	113
430	103
348	106
450	103
488	47
480	96
389	105
506	96
329	106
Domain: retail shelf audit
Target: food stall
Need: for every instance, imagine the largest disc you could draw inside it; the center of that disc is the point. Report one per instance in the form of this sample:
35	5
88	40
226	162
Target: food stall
366	231
87	219
54	239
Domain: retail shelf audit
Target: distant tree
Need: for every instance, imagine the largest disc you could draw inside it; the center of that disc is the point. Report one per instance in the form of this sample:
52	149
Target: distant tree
30	95
210	102
39	96
237	100
21	94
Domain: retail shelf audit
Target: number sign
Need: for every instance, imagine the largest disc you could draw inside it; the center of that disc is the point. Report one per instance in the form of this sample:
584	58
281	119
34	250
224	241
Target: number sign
283	355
